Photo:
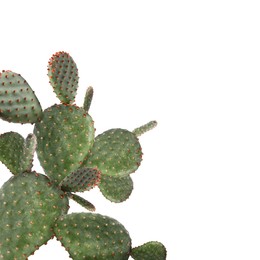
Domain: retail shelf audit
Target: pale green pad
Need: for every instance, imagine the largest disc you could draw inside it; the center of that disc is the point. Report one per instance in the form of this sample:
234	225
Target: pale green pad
93	236
64	138
116	152
116	189
18	103
30	205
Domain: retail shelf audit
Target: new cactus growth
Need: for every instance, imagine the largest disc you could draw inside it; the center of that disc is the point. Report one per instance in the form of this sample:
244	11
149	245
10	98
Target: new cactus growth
73	160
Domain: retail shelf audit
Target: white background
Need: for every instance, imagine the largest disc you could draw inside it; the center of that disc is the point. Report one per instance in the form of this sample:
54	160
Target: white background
194	66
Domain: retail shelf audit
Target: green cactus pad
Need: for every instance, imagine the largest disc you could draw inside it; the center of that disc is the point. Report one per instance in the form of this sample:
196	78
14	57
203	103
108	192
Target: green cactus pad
88	98
149	251
116	152
17	153
29	149
116	189
82	179
11	147
63	75
82	202
18	103
64	137
93	236
30	205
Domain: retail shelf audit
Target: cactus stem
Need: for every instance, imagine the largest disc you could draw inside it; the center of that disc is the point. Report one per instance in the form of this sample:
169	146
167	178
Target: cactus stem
88	98
144	128
81	201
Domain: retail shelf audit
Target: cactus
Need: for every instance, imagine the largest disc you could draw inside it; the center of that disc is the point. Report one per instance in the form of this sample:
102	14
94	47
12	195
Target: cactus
83	233
149	251
18	103
30	205
64	138
116	189
73	160
81	180
63	75
116	152
17	153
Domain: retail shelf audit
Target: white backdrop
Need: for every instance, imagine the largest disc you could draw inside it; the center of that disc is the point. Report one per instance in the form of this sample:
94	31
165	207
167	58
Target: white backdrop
194	66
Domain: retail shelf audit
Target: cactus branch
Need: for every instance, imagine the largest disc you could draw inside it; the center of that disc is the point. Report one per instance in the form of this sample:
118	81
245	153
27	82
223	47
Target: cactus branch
88	99
81	201
144	128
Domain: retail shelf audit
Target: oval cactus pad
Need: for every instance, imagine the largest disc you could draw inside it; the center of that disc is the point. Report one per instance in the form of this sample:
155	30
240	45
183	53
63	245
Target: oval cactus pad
12	151
63	75
82	179
116	189
17	152
93	236
18	103
116	152
152	250
30	205
65	135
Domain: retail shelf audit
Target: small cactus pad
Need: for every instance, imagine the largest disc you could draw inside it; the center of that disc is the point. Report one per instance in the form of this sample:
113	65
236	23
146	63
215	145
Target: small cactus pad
116	152
88	98
30	205
63	75
93	236
17	153
64	137
18	103
81	180
11	147
144	128
116	189
81	201
149	251
29	150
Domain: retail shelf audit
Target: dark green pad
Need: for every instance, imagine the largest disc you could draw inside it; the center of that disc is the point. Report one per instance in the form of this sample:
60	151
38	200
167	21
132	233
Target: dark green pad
17	153
18	103
63	75
149	251
116	189
116	152
82	179
30	205
64	137
93	236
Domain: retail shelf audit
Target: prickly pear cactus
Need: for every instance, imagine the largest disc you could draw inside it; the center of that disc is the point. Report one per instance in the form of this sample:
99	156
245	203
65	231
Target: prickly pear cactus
74	160
82	233
19	104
